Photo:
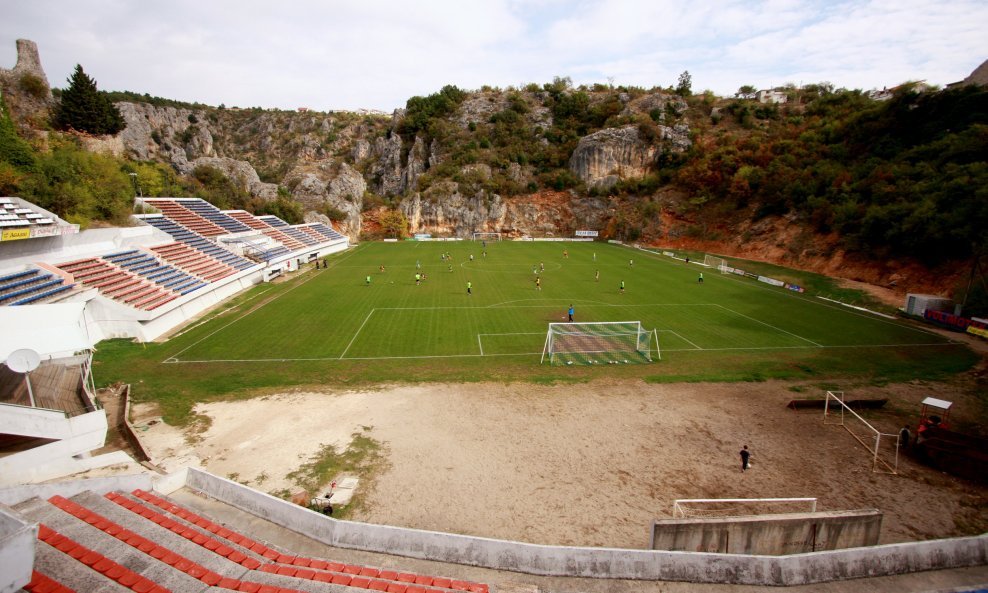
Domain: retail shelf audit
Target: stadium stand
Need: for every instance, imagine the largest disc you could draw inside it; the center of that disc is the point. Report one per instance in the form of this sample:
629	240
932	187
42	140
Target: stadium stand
328	232
127	287
247	218
147	543
13	215
193	261
273	220
31	286
185	217
213	214
196	241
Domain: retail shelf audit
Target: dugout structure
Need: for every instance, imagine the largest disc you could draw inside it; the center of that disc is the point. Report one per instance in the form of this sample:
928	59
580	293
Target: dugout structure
602	342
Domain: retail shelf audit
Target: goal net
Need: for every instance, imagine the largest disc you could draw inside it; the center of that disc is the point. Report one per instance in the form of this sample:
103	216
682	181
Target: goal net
715	262
487	236
690	508
608	342
884	447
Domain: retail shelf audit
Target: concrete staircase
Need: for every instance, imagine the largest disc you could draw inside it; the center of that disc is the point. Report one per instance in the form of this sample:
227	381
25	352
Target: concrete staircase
146	543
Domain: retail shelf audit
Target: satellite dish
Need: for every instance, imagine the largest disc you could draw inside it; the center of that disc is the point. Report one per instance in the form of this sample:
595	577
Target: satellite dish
24	360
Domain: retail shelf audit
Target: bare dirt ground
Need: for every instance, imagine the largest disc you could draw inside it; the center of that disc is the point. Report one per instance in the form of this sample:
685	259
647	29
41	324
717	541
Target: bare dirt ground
589	464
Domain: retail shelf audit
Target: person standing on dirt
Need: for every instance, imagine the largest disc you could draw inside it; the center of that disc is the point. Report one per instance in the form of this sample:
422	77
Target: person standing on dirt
745	455
904	437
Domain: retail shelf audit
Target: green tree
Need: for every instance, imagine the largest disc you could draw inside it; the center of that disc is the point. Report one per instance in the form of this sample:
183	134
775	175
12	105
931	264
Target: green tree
85	109
394	223
746	91
685	86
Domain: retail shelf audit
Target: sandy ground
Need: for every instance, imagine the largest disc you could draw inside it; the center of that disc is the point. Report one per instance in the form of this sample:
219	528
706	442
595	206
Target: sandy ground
577	464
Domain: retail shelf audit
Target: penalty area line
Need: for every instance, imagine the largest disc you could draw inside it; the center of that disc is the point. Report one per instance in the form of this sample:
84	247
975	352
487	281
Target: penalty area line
359	329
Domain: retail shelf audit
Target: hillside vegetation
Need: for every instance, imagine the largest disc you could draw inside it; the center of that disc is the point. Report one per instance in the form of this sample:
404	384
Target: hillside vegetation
904	178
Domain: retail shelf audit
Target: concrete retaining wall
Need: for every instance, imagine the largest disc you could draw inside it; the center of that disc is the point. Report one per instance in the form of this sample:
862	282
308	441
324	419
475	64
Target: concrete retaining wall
610	563
773	535
16	551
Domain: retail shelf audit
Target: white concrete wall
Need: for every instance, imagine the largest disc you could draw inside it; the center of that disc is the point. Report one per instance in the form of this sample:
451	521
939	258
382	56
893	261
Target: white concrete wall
33	422
600	562
83	434
16	551
12	495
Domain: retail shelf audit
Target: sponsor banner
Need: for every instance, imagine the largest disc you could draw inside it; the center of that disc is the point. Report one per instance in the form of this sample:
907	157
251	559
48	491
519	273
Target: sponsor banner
795	288
771	281
420	236
69	229
668	254
586	233
615	241
738	271
15	234
953	321
45	231
728	270
978	331
750	275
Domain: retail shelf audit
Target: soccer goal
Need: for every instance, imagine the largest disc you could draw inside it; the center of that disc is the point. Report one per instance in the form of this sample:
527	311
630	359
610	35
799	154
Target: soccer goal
487	236
715	262
698	508
603	342
884	447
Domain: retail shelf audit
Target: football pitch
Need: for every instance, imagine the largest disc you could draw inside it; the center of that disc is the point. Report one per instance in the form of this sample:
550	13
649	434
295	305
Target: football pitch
336	314
331	328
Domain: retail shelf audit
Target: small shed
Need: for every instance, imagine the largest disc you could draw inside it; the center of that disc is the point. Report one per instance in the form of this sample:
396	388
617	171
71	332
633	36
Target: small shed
916	304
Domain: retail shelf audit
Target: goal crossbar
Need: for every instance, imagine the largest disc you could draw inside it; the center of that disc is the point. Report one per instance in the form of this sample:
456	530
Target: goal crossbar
712	261
878	464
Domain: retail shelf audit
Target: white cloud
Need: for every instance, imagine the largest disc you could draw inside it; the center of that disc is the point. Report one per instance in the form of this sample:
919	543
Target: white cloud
377	53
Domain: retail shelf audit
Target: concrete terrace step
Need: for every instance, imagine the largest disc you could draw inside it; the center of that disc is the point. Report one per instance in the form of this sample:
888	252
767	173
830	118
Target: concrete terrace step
41	583
71	573
86	535
287	564
162	568
143	542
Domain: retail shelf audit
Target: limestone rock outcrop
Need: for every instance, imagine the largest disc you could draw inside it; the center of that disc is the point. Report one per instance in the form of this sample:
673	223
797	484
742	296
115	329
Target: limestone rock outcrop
177	136
25	87
326	183
603	158
241	173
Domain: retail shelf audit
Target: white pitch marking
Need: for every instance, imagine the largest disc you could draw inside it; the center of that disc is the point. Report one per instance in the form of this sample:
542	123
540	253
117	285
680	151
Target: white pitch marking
359	329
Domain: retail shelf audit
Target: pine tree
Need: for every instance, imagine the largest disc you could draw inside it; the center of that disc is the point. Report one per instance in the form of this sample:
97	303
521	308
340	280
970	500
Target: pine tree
85	109
685	86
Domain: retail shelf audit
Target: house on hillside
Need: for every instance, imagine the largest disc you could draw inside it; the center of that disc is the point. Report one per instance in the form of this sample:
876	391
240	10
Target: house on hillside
774	96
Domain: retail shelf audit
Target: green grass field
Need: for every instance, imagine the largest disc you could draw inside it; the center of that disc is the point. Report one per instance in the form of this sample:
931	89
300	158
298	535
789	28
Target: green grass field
330	327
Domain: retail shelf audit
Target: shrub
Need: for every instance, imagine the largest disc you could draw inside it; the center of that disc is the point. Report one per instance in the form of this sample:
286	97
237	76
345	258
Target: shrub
33	86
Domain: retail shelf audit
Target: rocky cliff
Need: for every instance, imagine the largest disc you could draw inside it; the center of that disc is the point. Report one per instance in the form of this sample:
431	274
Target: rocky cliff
25	89
328	162
481	166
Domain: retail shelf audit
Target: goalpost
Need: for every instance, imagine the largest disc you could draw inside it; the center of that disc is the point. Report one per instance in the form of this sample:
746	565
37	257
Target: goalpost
487	236
715	262
884	447
740	507
602	342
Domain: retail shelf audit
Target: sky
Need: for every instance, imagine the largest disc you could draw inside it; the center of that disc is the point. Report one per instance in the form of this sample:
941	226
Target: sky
375	54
